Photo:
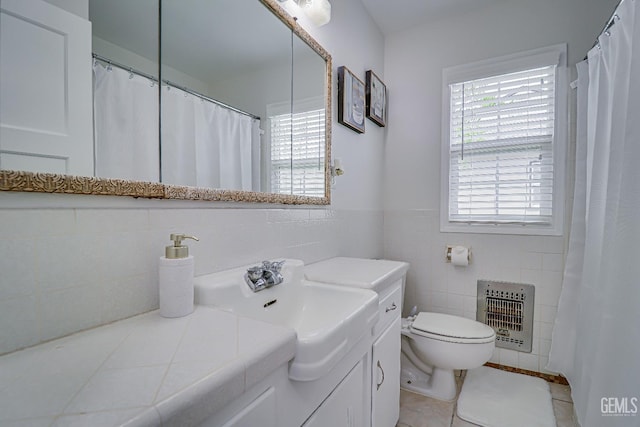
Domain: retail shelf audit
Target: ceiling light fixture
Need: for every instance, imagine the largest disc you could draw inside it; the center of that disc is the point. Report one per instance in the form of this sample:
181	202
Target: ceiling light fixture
318	11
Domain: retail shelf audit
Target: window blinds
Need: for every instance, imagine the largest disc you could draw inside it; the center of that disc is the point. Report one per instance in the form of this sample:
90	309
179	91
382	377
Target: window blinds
298	153
501	148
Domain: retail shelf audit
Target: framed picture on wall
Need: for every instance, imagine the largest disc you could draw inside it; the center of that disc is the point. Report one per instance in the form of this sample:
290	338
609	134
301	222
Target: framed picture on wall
351	100
376	92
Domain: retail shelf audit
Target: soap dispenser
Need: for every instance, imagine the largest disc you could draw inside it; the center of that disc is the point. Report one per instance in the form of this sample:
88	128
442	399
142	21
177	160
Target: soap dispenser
176	278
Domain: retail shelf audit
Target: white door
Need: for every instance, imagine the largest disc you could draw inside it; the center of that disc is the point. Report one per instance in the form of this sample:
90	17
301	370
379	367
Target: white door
385	400
343	407
46	119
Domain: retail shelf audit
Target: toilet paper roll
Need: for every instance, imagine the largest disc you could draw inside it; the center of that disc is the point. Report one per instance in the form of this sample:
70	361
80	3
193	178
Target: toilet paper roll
460	256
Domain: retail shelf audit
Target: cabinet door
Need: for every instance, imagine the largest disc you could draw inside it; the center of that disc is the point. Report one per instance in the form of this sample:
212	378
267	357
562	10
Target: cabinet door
343	407
261	412
45	89
385	400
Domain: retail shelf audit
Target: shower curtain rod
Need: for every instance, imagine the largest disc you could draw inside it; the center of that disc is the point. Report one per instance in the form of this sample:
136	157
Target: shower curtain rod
609	24
171	84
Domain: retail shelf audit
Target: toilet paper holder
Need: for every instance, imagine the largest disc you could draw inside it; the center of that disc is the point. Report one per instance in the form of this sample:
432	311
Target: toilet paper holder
450	248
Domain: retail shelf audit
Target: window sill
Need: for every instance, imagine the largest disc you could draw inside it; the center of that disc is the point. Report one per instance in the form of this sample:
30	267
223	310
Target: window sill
515	229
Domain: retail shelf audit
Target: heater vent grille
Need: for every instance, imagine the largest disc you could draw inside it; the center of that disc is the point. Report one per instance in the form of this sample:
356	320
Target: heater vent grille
504	314
508	309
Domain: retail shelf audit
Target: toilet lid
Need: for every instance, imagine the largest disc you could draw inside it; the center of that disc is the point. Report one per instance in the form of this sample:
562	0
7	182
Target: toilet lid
446	325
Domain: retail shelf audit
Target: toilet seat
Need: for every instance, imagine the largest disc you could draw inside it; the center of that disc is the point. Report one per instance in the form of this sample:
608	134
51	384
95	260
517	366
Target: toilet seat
445	327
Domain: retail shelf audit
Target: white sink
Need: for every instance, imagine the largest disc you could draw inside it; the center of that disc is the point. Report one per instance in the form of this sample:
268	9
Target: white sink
328	319
375	274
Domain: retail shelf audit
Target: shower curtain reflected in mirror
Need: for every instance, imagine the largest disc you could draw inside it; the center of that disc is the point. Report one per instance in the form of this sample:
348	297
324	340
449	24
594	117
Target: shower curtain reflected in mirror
125	108
207	145
203	145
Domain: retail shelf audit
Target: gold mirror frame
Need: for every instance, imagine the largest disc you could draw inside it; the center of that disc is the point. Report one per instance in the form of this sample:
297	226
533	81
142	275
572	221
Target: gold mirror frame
68	184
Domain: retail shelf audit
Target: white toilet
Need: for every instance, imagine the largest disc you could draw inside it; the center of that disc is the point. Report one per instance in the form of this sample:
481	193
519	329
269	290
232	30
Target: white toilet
434	345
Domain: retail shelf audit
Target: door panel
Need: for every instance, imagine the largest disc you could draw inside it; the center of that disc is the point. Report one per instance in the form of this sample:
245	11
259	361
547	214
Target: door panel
385	391
46	117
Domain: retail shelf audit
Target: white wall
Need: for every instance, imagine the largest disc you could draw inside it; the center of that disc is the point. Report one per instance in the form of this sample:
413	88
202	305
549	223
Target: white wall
354	41
414	60
78	7
255	90
126	57
74	262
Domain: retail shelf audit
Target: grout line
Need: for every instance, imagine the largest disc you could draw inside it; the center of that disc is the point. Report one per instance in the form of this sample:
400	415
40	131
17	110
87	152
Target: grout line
455	402
453	414
558	379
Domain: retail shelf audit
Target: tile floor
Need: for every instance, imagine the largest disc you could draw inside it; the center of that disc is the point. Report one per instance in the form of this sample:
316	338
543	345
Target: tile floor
420	411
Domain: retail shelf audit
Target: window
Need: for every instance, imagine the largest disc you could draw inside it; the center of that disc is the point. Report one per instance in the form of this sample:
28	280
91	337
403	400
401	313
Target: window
298	152
504	146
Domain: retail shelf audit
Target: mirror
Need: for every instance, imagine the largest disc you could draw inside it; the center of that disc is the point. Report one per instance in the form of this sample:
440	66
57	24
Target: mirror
216	140
212	52
228	100
125	88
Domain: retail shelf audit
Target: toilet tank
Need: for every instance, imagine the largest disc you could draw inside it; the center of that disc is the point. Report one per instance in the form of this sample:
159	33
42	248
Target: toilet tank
375	274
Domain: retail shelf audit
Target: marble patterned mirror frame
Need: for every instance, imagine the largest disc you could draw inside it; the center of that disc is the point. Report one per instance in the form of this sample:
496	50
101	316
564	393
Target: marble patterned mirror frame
56	183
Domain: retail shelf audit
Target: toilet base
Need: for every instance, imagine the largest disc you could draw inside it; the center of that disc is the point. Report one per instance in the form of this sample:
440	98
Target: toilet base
440	384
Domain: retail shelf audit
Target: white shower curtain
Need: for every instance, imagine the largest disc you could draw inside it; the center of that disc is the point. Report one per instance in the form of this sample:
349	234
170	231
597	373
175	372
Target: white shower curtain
126	125
204	144
232	135
596	337
179	136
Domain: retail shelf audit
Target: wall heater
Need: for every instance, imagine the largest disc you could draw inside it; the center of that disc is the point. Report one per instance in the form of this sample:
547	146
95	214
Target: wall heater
508	309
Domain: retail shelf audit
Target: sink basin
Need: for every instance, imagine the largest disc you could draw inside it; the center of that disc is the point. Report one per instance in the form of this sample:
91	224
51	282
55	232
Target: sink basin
328	319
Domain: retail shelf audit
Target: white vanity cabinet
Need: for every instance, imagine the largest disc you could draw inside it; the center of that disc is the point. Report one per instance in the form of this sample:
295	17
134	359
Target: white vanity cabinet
385	365
387	279
343	407
337	400
261	412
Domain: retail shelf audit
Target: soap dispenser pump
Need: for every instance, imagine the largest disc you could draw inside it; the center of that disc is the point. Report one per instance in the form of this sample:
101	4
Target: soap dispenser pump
176	278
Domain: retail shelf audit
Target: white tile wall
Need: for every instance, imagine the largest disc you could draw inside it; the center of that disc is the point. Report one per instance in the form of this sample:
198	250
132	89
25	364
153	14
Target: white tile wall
433	285
64	270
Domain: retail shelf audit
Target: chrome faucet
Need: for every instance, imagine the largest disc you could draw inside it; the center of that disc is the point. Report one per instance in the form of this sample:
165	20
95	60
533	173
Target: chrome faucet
264	276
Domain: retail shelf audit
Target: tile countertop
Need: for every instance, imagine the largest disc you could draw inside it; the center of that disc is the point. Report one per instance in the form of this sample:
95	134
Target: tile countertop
141	371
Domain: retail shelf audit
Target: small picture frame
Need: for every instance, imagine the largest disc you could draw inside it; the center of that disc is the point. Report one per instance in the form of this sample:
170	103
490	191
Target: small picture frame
376	94
351	100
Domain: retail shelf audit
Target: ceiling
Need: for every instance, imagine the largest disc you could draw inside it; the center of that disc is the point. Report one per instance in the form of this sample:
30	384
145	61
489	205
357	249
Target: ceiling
396	15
